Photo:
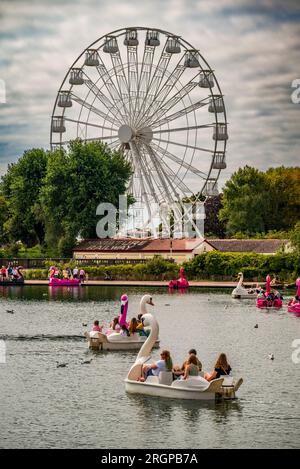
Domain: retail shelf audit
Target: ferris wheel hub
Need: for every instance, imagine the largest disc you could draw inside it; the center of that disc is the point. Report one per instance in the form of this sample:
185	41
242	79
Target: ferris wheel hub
126	133
145	134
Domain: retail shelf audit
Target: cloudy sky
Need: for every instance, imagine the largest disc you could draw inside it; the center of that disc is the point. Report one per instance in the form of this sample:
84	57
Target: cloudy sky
253	46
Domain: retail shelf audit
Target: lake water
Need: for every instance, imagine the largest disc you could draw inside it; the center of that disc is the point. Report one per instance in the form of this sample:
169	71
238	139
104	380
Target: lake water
86	406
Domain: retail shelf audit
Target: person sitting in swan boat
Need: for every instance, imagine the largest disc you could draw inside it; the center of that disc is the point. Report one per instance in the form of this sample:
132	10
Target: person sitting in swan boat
124	332
114	325
140	326
178	371
164	364
221	368
136	326
96	327
192	367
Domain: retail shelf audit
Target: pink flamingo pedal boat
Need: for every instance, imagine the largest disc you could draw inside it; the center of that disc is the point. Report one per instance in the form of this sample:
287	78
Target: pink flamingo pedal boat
267	301
71	282
294	304
181	282
62	282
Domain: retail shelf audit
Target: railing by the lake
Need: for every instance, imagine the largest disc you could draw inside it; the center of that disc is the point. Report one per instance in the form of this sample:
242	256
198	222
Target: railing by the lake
43	263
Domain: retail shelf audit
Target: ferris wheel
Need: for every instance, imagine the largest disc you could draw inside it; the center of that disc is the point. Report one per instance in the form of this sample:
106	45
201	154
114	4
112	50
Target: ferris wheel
152	95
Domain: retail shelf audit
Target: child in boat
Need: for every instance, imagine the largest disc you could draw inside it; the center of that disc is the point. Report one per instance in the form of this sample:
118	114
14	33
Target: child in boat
221	368
191	368
96	327
164	364
124	331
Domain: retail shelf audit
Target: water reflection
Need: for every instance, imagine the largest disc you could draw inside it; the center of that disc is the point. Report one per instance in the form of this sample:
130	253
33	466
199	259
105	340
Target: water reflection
180	291
148	408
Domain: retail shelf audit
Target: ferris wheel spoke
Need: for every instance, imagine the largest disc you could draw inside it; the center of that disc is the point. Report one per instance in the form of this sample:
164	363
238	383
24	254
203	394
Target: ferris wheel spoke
171	176
92	108
148	171
161	108
89	124
91	139
107	82
156	79
162	180
163	90
180	210
144	78
183	145
180	162
111	107
181	113
132	60
180	129
153	192
121	80
144	194
114	144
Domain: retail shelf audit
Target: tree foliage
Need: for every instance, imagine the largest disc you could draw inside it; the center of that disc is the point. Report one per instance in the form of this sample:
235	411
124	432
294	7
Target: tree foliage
51	198
295	237
257	202
77	181
20	187
212	225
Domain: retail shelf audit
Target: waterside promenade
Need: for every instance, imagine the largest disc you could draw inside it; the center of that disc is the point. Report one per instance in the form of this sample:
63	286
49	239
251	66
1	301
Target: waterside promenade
144	283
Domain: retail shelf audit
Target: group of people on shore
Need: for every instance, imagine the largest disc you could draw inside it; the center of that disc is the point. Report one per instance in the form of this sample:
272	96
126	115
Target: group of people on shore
10	272
192	366
67	273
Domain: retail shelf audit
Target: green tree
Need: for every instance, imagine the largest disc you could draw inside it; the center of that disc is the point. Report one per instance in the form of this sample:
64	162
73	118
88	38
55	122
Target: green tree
295	237
21	187
212	225
244	202
283	198
3	219
77	181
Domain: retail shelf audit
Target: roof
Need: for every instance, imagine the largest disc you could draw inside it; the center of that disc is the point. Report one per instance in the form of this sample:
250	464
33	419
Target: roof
111	244
138	245
166	244
267	246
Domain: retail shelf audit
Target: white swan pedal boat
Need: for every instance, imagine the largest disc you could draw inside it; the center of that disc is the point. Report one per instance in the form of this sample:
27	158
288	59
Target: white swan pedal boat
163	385
241	292
115	341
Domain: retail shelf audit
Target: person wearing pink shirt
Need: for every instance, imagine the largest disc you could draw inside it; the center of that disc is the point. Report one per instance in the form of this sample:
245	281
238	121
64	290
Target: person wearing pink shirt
96	327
